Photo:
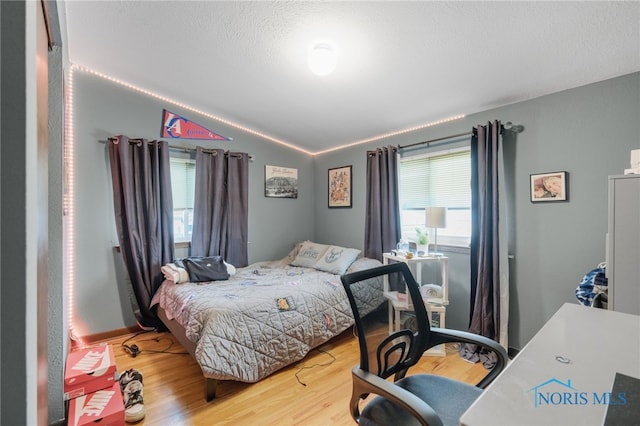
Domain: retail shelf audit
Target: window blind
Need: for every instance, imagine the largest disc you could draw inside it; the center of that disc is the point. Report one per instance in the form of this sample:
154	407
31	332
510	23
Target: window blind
183	177
437	180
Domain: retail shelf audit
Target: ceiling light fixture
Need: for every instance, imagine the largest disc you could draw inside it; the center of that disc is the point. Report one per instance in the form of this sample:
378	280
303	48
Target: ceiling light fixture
322	57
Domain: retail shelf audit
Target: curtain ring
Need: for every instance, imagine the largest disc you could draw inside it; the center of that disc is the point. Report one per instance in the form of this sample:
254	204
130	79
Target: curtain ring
211	151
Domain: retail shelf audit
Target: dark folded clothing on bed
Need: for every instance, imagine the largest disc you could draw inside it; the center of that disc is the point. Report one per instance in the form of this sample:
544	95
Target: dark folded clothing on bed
202	268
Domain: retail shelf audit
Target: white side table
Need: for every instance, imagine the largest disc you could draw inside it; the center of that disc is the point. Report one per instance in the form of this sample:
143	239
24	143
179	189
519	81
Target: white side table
398	304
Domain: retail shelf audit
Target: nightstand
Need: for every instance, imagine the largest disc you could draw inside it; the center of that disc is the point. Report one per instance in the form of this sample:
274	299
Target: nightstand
434	304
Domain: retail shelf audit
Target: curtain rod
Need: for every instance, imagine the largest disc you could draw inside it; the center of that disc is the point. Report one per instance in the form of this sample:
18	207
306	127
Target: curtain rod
506	126
435	140
176	148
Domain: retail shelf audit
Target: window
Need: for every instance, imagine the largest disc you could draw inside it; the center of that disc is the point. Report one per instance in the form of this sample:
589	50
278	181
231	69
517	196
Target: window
183	177
437	179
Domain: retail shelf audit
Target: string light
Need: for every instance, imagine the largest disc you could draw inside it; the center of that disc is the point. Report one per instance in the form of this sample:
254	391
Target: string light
69	204
189	108
69	168
254	132
391	134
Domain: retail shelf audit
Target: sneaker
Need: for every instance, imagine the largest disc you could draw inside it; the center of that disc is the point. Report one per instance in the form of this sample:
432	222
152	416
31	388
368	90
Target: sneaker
132	390
129	376
133	402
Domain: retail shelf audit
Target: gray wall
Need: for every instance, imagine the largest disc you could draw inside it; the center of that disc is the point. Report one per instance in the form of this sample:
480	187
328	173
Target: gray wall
588	132
103	109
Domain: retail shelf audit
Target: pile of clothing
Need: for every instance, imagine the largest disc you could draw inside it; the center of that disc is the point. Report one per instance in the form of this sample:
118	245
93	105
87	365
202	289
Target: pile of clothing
197	269
592	290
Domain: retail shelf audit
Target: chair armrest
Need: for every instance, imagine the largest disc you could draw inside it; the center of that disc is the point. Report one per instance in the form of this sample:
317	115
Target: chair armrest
370	383
442	335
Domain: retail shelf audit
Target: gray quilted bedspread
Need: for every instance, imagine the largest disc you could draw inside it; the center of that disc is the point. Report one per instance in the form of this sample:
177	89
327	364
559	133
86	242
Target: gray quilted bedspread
265	317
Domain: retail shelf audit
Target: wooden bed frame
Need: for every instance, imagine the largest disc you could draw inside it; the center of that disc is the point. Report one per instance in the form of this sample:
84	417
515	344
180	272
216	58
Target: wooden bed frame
178	331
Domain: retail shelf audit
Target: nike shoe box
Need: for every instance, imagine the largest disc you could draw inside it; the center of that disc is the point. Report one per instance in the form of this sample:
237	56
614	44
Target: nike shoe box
102	407
89	370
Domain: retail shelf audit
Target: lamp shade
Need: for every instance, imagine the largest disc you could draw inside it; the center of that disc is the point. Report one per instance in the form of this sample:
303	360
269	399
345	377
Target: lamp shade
436	217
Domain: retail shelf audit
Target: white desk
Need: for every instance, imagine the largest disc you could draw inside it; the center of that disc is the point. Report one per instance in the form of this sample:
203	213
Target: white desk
596	343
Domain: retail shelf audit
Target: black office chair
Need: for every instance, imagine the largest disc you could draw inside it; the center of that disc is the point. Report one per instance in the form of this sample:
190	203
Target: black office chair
426	399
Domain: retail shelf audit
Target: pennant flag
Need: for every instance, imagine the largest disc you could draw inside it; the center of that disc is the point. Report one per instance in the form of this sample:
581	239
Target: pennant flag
177	127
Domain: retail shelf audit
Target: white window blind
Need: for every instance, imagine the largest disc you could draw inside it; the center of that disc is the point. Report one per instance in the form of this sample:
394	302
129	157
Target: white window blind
183	178
438	179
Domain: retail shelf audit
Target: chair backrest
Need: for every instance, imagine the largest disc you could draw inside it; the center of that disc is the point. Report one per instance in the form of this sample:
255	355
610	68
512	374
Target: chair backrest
383	353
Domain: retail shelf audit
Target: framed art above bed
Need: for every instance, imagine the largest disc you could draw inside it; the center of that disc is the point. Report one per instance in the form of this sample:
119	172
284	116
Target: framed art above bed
340	183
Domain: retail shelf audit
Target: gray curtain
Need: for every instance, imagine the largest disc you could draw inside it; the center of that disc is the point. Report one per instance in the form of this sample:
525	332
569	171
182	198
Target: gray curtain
221	205
143	205
382	222
487	234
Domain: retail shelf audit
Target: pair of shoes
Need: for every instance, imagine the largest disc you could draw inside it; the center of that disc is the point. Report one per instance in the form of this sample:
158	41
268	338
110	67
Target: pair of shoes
131	387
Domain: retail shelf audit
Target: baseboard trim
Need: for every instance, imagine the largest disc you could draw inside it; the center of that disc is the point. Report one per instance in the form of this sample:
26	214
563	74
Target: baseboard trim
92	339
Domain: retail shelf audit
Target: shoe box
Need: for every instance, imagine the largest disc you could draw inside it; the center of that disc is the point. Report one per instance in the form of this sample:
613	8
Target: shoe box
89	370
102	407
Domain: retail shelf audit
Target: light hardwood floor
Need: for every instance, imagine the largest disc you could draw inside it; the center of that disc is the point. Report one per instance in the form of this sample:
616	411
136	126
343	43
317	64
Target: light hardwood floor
173	385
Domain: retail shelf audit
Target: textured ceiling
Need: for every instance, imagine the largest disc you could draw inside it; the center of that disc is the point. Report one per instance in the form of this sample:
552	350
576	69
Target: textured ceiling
402	64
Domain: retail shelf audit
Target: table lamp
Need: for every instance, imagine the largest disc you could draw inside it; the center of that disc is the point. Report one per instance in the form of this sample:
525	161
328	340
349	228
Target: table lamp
436	217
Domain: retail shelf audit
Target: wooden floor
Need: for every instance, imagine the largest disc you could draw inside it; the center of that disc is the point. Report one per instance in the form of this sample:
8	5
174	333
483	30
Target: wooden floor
173	385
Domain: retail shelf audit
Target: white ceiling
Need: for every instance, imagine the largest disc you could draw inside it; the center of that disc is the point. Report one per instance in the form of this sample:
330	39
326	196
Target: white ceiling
402	64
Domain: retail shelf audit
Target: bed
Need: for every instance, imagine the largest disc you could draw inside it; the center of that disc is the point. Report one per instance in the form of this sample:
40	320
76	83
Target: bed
264	317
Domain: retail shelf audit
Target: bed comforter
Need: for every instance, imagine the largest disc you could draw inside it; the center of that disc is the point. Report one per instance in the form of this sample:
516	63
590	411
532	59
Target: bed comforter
265	317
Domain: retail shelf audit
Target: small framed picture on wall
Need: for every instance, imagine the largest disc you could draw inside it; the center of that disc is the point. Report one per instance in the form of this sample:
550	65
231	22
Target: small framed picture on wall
280	182
340	182
549	187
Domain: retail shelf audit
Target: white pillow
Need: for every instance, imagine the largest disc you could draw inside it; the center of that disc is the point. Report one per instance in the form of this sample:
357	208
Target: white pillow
231	270
309	254
337	259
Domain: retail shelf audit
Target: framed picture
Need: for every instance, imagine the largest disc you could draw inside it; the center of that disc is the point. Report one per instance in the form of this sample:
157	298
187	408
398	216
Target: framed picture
280	182
549	187
340	182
